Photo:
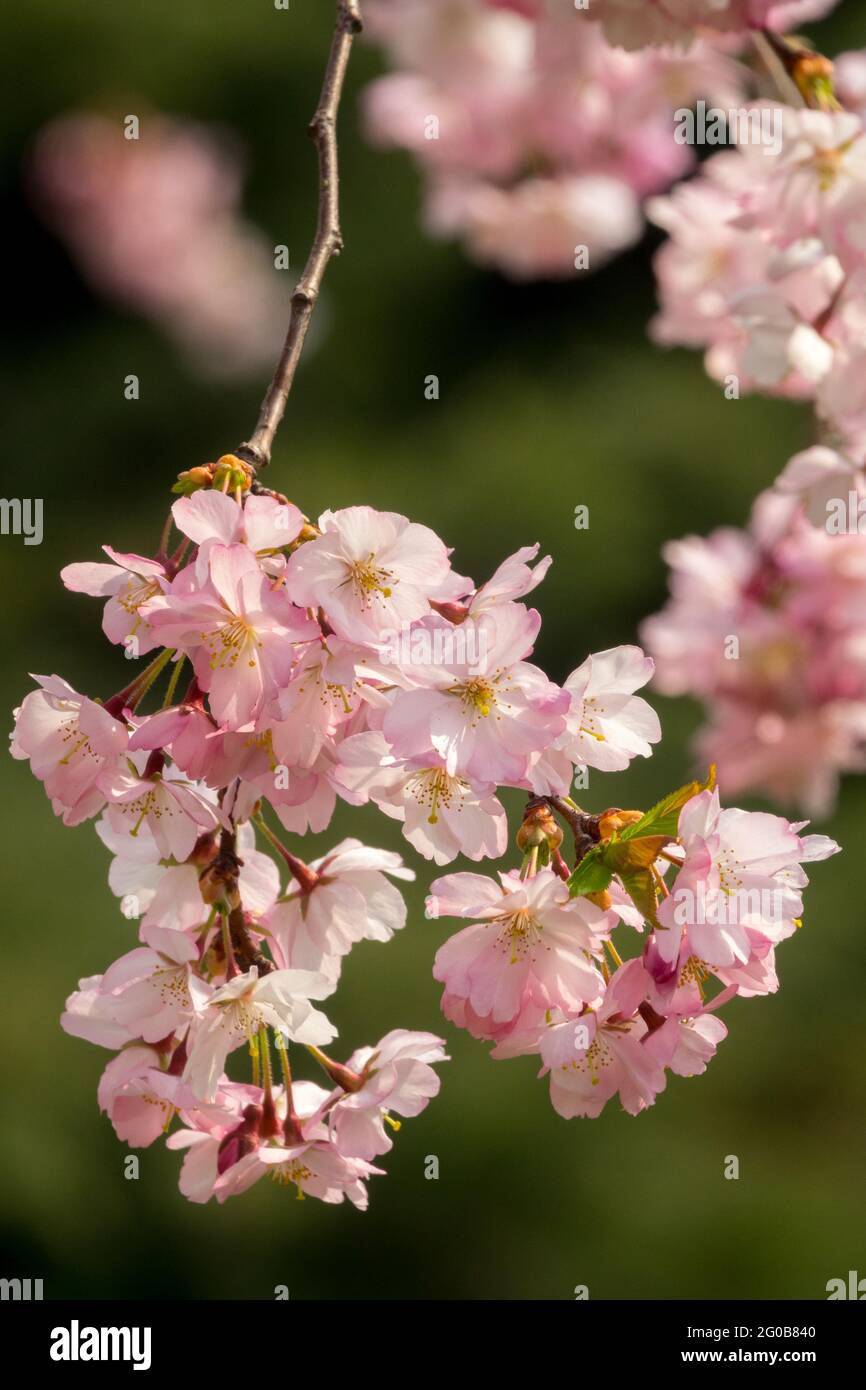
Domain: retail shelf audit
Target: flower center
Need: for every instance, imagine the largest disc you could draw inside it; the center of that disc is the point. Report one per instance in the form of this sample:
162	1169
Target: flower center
292	1172
478	697
432	786
229	642
368	580
520	935
137	592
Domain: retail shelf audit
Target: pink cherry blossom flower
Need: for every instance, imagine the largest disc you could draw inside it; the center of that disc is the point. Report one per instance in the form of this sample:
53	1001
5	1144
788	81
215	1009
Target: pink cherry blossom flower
369	571
154	989
227	1153
127	584
238	1009
529	943
535	229
70	743
544	138
138	1096
818	476
483	717
687	1045
324	692
90	1015
154	224
314	1169
513	579
634	23
397	1076
238	630
264	524
210	1132
175	812
607	724
763	624
192	738
346	899
741	870
442	815
599	1054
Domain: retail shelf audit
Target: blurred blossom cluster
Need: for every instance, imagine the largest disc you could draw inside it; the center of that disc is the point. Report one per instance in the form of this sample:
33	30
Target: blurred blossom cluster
765	269
635	23
155	224
768	625
536	137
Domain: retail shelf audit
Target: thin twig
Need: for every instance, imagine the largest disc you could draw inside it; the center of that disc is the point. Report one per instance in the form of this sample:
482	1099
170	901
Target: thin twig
327	242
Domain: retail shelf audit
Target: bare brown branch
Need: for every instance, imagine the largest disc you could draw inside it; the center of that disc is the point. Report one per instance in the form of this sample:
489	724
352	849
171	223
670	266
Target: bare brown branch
327	242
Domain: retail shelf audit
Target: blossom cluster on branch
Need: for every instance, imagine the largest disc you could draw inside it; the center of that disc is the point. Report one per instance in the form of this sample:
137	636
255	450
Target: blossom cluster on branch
303	663
349	659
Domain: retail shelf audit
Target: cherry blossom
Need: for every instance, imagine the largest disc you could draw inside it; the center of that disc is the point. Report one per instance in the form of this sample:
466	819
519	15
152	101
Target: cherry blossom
343	898
243	1005
594	1057
70	743
483	716
763	624
442	815
396	1075
154	224
528	943
238	630
740	870
297	664
128	583
370	571
545	137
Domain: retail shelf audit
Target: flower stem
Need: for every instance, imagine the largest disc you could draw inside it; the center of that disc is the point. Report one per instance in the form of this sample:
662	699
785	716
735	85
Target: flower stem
305	877
172	685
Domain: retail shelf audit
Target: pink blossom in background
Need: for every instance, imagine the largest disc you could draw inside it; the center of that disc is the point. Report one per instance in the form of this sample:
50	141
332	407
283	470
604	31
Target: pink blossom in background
155	224
634	23
765	268
537	139
765	626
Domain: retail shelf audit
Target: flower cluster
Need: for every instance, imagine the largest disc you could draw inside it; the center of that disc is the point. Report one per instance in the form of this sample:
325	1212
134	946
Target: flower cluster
537	138
537	972
765	268
349	659
153	222
766	625
635	23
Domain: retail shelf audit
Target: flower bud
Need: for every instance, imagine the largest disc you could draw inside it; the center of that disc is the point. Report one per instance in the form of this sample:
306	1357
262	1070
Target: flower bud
231	473
539	827
602	899
611	821
193	479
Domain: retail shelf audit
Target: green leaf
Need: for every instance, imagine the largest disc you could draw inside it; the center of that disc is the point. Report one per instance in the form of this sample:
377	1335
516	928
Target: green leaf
663	818
641	888
592	874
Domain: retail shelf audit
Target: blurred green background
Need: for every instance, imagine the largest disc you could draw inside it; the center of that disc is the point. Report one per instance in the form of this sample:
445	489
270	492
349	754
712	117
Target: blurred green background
550	396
